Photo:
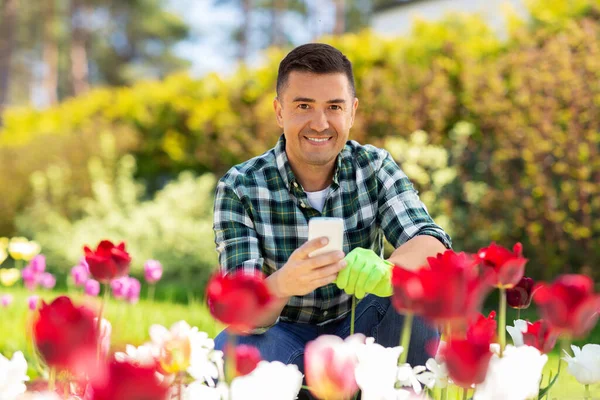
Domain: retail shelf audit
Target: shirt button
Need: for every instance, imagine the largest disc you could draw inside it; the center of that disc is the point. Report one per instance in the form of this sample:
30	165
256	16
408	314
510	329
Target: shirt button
302	204
295	184
325	313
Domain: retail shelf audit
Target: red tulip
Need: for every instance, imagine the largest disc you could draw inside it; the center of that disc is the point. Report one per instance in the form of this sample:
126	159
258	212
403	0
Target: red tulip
65	335
127	381
520	296
483	328
450	289
246	359
540	335
468	359
569	304
508	266
108	262
237	299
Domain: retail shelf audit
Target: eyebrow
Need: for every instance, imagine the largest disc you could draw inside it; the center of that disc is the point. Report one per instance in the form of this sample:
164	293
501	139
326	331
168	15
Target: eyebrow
309	100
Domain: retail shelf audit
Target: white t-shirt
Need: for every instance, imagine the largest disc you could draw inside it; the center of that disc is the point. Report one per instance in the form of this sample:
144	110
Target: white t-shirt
317	199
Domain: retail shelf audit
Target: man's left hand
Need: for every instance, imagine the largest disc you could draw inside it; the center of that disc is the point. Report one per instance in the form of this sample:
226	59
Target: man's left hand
366	272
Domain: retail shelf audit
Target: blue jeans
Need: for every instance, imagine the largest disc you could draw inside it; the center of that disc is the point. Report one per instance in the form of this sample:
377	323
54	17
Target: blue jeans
375	317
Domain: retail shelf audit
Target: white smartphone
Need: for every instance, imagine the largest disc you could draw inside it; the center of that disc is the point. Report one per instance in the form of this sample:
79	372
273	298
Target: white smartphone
331	228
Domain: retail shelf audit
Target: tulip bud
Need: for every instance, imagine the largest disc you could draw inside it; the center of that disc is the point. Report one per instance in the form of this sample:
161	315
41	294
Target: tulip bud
47	280
153	271
520	296
32	302
92	287
6	300
80	274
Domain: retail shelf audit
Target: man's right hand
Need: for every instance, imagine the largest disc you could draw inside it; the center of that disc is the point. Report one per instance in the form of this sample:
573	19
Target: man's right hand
301	274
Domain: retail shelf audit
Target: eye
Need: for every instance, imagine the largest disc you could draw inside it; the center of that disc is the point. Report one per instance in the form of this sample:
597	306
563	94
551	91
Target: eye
335	107
303	106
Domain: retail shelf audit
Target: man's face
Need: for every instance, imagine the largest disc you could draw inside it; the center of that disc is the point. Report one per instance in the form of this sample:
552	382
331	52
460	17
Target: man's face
316	112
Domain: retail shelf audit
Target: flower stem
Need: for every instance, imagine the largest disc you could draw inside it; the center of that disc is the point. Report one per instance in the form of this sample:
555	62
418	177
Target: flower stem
444	394
502	321
518	313
405	338
230	366
99	323
352	315
465	392
587	392
151	289
52	380
180	379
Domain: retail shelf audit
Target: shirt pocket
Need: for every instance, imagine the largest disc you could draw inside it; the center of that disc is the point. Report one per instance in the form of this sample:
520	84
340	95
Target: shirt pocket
364	237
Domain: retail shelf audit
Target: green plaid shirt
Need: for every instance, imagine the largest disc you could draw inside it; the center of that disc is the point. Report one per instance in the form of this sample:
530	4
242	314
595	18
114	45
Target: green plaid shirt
261	216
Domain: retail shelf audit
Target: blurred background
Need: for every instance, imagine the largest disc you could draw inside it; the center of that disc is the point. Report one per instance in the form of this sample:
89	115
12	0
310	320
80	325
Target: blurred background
118	116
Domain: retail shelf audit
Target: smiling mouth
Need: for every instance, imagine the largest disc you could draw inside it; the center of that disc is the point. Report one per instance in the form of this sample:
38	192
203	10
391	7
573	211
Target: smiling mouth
318	140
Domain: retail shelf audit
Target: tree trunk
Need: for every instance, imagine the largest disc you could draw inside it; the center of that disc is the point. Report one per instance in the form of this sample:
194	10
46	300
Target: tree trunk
244	39
79	55
8	16
277	35
340	17
50	54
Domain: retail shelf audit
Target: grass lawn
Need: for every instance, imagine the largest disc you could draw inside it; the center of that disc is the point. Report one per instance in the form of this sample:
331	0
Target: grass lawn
130	325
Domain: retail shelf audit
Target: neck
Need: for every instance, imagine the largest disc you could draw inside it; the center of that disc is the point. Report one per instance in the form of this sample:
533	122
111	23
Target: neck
314	177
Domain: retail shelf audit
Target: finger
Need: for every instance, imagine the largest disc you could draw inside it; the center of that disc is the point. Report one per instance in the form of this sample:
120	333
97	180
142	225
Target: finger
355	272
330	269
363	276
325	280
302	252
322	260
373	280
343	276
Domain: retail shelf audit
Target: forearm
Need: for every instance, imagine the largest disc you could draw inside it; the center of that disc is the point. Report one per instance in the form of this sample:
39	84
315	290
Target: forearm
413	254
274	310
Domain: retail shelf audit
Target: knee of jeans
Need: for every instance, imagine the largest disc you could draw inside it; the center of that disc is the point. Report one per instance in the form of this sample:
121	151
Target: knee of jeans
297	358
220	340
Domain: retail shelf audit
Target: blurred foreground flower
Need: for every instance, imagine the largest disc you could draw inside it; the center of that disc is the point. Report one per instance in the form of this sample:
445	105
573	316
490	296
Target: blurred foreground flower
269	381
246	359
131	382
66	335
585	363
21	248
508	266
237	299
108	261
539	335
13	374
450	289
569	304
330	362
9	276
377	370
515	376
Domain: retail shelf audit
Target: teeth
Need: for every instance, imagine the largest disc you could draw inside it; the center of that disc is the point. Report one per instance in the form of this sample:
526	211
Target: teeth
318	140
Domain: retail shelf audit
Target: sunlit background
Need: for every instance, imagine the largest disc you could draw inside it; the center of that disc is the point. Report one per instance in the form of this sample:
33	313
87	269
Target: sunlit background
118	116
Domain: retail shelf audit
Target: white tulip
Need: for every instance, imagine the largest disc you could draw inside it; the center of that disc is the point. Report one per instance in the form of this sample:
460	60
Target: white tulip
377	371
585	364
198	390
13	373
514	376
436	376
407	376
269	381
516	332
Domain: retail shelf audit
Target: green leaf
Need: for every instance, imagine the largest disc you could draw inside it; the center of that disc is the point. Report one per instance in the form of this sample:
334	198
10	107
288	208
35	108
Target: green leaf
545	390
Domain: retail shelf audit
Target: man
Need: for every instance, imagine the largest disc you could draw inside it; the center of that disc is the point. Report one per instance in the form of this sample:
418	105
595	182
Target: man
263	206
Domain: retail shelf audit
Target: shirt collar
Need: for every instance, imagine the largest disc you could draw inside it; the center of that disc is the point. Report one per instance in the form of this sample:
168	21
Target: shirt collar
285	170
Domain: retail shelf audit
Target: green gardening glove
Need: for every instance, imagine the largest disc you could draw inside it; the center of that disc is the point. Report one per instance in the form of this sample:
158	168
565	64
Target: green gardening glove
366	272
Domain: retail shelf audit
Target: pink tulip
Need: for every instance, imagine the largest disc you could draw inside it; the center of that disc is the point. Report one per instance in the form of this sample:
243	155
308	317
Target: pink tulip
330	363
47	280
6	300
38	264
153	271
32	302
120	287
80	274
29	277
92	287
133	291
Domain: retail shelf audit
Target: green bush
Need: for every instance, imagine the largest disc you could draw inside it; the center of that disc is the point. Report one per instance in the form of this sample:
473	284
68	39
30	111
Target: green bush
174	227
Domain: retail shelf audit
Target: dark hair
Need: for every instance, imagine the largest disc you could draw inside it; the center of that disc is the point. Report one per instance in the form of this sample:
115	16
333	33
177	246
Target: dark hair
319	58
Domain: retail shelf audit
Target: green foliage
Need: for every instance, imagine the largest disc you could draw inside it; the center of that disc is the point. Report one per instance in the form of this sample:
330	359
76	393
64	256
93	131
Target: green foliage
175	227
519	121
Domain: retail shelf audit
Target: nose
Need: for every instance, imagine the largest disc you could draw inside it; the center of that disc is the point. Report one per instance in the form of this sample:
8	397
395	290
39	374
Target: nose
319	122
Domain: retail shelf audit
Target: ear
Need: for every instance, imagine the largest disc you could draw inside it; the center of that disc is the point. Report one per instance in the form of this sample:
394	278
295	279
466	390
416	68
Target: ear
278	111
354	107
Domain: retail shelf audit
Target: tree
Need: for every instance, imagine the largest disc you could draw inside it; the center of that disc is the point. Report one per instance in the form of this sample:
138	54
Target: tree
8	16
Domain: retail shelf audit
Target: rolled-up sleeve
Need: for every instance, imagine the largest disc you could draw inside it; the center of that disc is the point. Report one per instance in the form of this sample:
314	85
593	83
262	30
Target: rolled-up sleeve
403	215
235	236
